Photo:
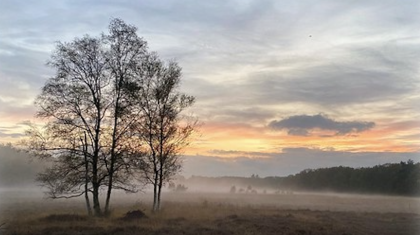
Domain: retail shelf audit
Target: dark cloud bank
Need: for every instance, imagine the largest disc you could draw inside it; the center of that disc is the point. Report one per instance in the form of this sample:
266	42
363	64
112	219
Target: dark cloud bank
301	125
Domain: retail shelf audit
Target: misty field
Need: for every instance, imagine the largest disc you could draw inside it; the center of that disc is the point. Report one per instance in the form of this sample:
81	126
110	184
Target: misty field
25	212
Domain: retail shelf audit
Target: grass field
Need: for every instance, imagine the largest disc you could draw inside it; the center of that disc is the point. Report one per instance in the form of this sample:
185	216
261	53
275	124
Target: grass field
217	213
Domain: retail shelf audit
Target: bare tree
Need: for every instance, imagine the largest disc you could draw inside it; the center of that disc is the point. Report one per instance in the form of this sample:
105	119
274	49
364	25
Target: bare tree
89	116
74	105
162	128
125	52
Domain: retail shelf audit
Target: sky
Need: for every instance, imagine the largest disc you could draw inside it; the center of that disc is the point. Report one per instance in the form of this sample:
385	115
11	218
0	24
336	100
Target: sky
280	86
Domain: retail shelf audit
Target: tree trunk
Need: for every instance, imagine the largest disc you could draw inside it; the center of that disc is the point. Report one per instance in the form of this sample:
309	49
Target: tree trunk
110	182
159	193
88	207
161	159
108	193
95	186
95	159
96	203
155	193
114	144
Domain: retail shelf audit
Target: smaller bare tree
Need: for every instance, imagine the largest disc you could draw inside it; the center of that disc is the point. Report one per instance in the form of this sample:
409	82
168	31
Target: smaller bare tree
162	128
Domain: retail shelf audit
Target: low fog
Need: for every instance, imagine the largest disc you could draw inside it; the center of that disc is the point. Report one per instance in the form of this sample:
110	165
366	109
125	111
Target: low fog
17	169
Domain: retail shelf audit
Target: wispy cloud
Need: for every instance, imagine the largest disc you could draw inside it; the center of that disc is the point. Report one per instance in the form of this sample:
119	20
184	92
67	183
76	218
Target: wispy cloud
237	153
10	135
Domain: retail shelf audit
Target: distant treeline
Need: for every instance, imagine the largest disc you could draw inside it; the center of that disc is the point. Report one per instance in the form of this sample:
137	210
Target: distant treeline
393	179
398	179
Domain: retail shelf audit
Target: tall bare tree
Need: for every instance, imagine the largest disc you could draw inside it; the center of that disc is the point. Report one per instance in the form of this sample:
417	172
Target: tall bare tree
74	105
88	115
126	50
162	128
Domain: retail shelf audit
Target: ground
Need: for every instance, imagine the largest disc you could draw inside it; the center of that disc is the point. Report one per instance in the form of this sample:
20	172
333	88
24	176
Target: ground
218	213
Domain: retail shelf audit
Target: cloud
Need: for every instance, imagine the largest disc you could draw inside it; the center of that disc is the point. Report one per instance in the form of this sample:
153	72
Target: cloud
301	125
353	76
10	131
237	153
11	135
246	62
15	111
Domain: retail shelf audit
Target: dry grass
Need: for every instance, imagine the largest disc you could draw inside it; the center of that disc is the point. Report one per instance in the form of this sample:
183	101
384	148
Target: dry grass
220	214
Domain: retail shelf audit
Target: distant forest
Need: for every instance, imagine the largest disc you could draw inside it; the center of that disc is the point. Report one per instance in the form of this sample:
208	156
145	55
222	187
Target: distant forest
392	179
